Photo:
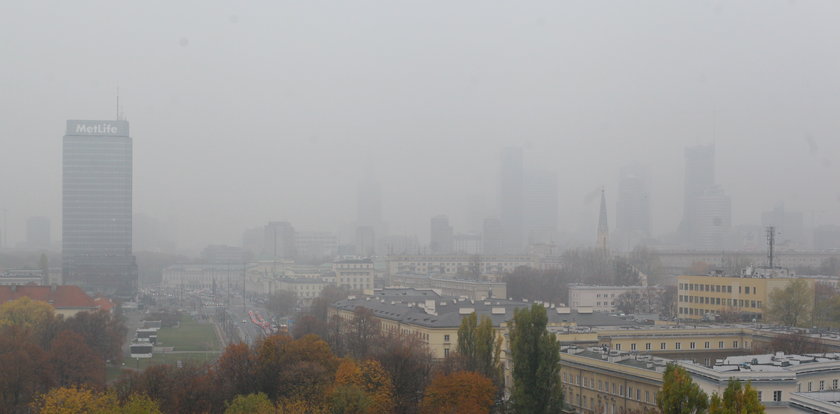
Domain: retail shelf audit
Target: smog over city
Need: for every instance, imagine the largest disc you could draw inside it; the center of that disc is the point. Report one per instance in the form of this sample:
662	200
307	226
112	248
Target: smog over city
328	151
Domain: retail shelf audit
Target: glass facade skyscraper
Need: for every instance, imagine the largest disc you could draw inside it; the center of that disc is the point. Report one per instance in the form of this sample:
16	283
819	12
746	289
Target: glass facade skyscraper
97	208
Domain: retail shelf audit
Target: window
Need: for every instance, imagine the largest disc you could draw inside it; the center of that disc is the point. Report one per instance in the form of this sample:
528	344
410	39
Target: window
647	346
630	392
677	345
647	396
618	347
632	347
600	385
734	344
692	345
822	385
613	388
706	345
720	344
759	395
809	386
777	395
834	384
446	338
662	345
446	352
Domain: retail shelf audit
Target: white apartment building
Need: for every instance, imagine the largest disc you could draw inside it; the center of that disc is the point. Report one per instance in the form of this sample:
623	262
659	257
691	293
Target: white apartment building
597	298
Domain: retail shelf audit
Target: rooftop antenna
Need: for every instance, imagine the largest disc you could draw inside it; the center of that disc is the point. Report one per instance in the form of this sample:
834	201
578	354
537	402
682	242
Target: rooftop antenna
118	102
771	241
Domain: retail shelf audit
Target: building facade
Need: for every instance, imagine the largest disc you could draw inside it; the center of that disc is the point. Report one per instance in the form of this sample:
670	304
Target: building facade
356	275
97	207
710	296
598	298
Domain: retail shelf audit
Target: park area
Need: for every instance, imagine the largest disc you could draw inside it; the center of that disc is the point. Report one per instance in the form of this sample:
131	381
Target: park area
189	341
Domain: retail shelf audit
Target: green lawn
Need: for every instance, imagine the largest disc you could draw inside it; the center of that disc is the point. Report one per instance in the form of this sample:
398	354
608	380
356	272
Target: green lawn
172	359
190	335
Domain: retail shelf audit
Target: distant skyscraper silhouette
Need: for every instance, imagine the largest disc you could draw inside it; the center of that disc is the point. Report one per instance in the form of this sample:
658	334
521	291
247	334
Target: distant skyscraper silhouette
707	209
632	215
492	237
512	199
97	208
440	240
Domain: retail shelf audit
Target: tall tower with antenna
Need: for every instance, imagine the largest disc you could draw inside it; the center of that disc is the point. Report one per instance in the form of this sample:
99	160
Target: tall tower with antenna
771	243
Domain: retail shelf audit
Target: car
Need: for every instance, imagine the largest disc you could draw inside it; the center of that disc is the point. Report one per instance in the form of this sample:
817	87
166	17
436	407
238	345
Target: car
244	321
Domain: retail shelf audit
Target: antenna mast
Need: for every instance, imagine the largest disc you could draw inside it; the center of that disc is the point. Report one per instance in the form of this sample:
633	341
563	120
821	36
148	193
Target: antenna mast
771	242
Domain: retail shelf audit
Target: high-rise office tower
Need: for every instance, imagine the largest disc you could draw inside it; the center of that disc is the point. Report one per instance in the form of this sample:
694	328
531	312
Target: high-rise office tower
96	208
38	233
369	216
512	199
279	240
632	215
790	226
706	210
440	235
542	203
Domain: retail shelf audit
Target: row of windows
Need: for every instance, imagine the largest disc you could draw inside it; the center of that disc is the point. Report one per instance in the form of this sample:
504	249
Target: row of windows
705	300
609	387
717	288
834	384
677	345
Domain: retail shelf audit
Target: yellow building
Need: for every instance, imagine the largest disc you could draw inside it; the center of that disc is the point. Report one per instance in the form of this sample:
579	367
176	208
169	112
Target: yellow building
710	296
611	382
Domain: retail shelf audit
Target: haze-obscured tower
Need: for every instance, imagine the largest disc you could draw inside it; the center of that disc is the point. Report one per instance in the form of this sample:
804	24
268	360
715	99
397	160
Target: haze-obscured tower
603	236
632	215
440	232
706	208
512	199
542	201
369	223
97	208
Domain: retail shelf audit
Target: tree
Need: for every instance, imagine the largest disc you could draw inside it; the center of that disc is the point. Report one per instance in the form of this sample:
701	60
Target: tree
459	393
24	372
250	404
76	400
628	302
479	346
26	313
795	343
73	400
362	388
408	362
362	332
736	399
103	332
680	395
74	363
536	363
282	303
236	370
792	305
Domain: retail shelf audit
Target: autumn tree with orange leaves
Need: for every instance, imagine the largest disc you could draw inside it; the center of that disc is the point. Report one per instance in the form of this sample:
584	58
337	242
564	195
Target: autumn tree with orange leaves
459	393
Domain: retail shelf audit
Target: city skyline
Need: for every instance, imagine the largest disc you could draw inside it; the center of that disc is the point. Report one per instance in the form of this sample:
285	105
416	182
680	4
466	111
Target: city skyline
230	135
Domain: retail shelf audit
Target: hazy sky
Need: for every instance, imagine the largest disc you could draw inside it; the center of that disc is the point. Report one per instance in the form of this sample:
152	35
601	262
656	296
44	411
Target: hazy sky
244	112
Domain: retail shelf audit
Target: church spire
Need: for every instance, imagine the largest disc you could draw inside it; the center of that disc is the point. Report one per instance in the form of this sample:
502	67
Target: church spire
603	227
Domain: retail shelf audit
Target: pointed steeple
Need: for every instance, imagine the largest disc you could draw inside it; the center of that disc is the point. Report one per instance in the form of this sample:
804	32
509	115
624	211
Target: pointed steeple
603	227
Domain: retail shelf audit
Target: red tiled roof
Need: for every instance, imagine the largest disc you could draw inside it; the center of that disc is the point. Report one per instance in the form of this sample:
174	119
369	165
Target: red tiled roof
62	297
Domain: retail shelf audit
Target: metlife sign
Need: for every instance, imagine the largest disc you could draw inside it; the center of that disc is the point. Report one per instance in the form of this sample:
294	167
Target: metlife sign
105	128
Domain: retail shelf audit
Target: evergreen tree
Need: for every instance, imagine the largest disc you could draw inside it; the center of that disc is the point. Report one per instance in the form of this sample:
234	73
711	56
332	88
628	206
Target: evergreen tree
680	395
536	363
